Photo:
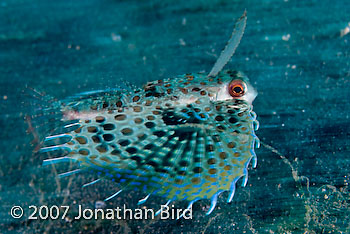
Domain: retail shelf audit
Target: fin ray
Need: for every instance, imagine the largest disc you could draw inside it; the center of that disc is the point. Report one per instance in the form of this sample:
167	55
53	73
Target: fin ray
91	183
114	195
69	173
231	46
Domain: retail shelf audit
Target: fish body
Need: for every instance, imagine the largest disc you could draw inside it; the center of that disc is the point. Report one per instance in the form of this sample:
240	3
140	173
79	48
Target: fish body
186	138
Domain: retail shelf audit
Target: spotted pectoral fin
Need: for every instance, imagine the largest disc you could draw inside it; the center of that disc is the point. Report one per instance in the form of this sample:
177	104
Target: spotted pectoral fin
171	117
166	158
185	115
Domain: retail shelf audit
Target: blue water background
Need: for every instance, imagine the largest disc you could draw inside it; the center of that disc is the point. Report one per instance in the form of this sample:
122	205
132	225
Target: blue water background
294	52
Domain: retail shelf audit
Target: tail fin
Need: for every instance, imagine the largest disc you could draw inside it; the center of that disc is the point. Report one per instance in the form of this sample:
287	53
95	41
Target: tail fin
43	116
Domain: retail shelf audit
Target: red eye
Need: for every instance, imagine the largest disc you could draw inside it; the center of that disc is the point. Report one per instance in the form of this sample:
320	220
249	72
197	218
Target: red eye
237	88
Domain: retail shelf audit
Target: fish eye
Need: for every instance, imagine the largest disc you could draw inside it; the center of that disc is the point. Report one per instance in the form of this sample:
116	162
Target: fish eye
237	88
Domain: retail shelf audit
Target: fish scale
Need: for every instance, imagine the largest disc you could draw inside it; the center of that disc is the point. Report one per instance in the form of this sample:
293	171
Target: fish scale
186	138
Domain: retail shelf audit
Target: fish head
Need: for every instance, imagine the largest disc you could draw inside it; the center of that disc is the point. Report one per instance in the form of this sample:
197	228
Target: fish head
227	87
199	100
233	85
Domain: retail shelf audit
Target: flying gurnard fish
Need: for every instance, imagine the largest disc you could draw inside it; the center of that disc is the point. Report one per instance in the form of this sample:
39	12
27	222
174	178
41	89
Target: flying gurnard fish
186	138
